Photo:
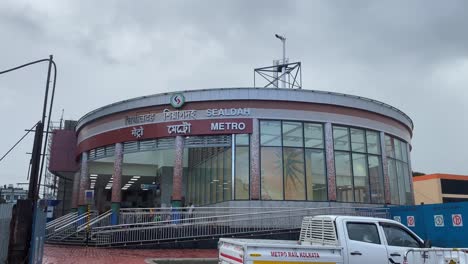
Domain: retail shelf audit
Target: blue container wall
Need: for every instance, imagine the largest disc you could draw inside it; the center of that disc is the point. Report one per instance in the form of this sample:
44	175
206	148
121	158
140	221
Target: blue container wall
443	233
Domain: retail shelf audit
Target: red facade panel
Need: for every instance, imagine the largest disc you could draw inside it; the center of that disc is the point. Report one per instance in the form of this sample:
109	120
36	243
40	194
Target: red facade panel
63	150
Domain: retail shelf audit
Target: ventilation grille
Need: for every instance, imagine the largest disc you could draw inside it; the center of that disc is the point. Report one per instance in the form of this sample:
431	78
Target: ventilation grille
318	230
208	141
162	143
102	152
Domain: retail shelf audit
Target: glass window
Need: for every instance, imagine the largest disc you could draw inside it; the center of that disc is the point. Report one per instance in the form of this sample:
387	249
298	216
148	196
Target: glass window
214	178
363	232
389	147
361	180
242	173
358	142
344	181
242	139
292	134
376	179
294	179
227	184
220	183
270	133
398	154
404	151
373	142
398	237
271	173
316	175
392	176
401	182
340	138
313	134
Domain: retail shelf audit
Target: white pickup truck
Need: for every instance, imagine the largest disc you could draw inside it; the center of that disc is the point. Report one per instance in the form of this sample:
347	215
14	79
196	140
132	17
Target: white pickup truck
340	239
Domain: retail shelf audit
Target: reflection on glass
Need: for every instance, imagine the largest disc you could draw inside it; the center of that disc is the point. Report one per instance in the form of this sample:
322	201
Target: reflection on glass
214	179
398	154
220	182
227	184
271	173
270	133
389	146
340	138
408	179
392	176
358	143
401	182
373	142
376	179
292	134
404	151
361	180
344	184
293	165
313	134
242	139
242	173
316	175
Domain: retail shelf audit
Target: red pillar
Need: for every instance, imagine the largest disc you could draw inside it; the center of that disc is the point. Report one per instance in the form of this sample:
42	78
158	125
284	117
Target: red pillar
84	182
75	191
255	162
177	177
330	156
117	183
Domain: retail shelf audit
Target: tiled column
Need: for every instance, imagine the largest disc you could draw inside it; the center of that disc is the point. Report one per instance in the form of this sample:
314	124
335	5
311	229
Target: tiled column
117	184
177	177
255	161
388	199
330	156
84	183
75	191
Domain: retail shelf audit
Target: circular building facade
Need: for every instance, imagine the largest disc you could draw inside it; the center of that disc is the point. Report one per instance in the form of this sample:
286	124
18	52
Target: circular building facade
244	147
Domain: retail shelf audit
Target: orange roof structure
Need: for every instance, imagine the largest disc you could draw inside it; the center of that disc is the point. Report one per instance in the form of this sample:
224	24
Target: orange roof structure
441	176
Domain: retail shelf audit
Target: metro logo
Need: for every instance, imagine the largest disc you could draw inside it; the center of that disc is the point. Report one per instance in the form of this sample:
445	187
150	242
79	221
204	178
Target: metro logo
177	100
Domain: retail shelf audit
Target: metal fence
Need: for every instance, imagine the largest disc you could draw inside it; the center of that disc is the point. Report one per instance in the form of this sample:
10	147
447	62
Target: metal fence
436	255
5	218
155	225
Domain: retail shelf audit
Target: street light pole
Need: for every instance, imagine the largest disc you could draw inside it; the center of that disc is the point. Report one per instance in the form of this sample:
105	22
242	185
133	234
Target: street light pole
283	69
26	209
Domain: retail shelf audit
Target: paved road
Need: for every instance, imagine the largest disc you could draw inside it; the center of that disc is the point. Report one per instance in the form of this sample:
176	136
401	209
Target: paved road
73	255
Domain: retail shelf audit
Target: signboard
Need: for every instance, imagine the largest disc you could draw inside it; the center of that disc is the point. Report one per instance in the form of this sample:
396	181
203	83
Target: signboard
177	100
410	221
149	186
457	220
439	220
397	218
89	196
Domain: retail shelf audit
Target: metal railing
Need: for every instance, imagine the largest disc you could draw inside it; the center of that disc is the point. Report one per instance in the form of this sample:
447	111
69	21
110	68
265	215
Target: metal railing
61	220
101	220
436	255
68	228
155	225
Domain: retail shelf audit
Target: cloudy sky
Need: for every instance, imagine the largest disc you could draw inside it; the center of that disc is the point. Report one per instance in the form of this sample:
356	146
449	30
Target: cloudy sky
410	54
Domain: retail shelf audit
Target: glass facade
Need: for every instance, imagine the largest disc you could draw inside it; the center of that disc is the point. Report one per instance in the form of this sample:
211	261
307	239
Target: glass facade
292	167
398	171
358	165
209	175
292	161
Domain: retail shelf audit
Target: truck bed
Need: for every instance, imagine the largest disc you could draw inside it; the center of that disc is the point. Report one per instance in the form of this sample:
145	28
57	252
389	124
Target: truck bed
276	251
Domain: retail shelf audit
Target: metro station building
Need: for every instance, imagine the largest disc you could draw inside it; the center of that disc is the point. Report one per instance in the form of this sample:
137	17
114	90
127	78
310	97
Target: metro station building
237	147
